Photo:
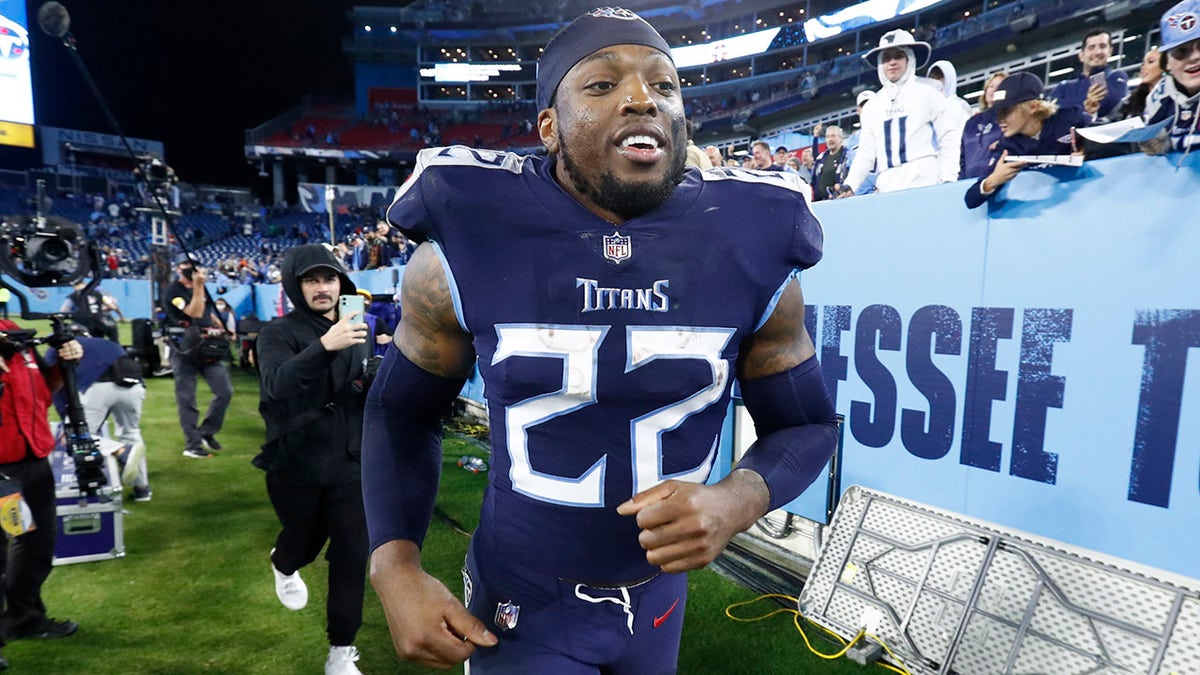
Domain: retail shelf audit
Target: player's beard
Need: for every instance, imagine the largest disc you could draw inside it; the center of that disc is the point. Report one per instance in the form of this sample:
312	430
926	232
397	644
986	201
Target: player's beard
628	199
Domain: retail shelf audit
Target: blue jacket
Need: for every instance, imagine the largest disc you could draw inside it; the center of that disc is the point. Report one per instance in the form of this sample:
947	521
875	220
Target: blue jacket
980	132
1072	92
98	355
1054	139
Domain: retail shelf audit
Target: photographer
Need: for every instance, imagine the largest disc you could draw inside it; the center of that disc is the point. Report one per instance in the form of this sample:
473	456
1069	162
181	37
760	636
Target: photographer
199	347
26	385
91	310
311	365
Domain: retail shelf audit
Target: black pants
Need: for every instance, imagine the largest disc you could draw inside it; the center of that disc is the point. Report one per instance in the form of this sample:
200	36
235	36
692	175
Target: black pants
310	515
26	560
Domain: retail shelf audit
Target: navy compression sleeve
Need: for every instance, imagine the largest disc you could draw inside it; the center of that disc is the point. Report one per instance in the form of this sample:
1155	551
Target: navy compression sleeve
402	448
797	429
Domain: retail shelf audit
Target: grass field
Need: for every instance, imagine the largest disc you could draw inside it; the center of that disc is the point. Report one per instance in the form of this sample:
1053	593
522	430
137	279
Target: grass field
194	593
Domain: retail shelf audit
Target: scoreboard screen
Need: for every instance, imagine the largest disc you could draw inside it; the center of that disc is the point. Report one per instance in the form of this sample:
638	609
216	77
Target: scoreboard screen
16	81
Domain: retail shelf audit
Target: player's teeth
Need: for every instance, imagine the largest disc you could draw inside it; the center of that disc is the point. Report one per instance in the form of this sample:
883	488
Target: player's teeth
639	140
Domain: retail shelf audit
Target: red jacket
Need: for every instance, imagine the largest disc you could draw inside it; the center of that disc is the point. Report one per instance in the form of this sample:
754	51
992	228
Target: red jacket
23	408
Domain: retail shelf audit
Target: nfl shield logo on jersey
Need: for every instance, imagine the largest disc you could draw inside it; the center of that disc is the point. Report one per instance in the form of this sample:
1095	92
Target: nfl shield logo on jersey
617	248
468	586
506	615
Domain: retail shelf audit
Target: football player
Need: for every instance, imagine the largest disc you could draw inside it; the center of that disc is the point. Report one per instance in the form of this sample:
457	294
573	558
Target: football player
608	296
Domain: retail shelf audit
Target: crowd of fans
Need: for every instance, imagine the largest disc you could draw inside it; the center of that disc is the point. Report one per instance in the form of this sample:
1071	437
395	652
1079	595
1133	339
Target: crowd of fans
944	139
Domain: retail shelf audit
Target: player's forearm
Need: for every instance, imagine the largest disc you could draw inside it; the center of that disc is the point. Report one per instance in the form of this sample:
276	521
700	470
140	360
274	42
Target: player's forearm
401	449
797	429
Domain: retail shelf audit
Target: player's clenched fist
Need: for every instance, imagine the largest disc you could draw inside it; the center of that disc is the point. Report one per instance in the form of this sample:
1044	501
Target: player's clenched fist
428	624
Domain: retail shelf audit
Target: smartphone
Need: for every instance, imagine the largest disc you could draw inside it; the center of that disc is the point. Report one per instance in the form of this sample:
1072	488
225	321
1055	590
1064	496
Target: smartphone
348	304
1098	78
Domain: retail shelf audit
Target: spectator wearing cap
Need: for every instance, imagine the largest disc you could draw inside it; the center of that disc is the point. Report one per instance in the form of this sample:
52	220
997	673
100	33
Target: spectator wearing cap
1031	125
911	133
859	103
781	155
851	143
1176	98
1096	88
981	133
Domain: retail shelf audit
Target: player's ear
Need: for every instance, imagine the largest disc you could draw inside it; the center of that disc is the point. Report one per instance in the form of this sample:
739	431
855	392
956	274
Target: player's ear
547	122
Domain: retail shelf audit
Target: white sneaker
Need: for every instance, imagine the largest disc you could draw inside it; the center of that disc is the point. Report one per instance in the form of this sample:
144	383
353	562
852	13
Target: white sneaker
290	588
341	661
133	461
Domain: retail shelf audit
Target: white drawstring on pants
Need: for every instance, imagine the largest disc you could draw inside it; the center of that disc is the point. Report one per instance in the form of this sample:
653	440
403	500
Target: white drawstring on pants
623	601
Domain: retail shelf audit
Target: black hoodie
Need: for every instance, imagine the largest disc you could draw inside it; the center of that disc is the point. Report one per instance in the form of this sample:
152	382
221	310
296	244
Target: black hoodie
297	375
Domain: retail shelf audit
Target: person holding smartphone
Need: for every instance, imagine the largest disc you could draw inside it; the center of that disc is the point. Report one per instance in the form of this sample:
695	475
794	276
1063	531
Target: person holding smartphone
311	368
1097	88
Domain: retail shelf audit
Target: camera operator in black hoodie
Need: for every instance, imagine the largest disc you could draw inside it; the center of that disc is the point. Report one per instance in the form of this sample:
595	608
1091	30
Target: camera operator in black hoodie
312	366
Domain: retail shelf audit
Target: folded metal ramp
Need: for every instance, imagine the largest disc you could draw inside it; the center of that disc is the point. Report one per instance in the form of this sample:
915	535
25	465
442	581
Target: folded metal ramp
951	594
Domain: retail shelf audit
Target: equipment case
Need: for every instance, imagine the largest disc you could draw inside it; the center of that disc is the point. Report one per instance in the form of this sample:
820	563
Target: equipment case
92	527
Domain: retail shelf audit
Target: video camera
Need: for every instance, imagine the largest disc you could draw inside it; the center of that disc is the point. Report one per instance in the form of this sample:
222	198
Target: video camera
39	251
157	177
43	250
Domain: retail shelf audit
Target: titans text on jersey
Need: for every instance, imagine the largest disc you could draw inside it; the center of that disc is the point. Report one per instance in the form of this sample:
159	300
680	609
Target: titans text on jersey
597	297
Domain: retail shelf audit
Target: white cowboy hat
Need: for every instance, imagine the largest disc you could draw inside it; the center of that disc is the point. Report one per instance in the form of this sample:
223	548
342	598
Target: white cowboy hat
900	38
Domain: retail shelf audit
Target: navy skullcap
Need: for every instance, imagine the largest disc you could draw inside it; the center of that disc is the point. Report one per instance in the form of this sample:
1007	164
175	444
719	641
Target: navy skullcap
598	29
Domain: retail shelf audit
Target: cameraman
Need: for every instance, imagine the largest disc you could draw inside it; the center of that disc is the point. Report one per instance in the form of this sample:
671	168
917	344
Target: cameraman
195	322
311	365
26	384
91	310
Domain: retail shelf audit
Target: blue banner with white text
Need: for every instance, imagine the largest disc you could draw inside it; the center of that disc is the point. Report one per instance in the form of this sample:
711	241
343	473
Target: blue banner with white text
1035	363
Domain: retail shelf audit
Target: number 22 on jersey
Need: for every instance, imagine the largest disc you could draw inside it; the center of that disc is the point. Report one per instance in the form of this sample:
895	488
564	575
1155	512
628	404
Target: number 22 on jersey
577	347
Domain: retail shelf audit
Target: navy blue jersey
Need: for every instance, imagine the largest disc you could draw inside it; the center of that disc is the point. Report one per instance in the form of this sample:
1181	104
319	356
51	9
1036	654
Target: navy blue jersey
607	352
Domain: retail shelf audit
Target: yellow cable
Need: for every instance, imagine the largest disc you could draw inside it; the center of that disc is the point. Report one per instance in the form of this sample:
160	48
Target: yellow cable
796	617
768	596
795	620
903	668
838	655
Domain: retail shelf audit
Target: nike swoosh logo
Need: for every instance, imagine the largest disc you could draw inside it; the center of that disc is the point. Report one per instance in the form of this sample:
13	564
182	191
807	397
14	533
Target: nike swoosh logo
658	620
